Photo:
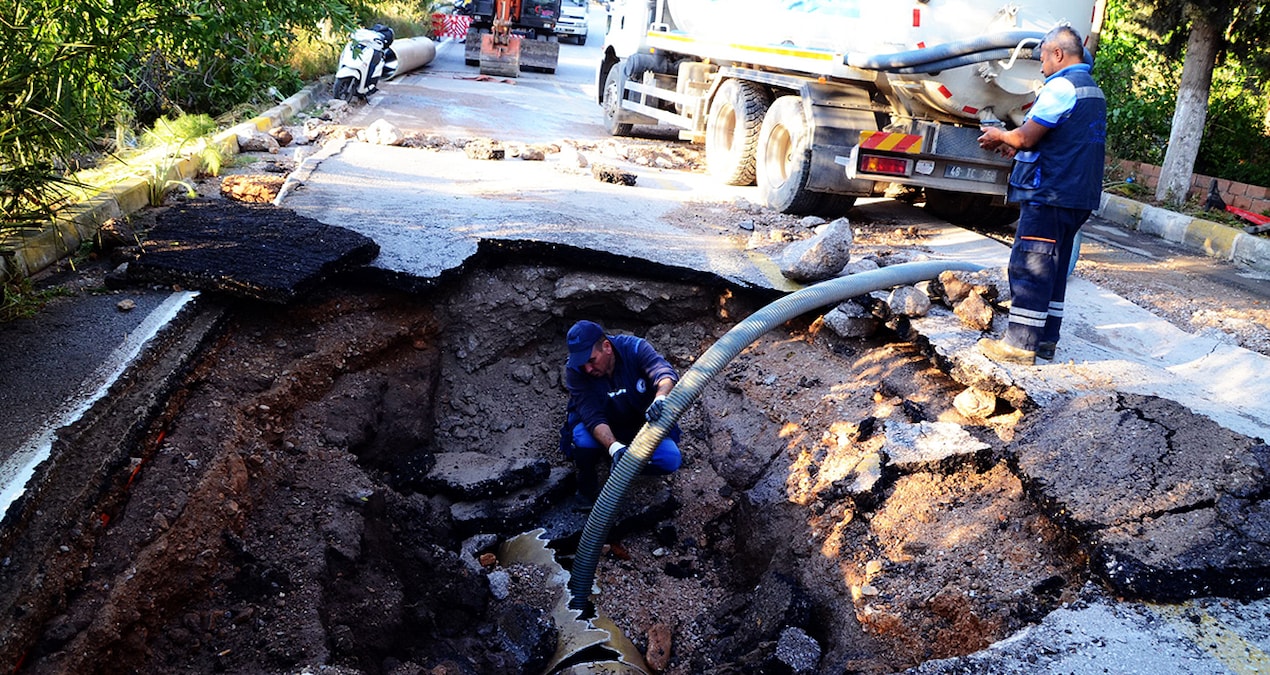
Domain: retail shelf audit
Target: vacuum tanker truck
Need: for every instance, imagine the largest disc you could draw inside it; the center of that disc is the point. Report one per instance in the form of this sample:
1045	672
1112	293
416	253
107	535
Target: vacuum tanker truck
823	101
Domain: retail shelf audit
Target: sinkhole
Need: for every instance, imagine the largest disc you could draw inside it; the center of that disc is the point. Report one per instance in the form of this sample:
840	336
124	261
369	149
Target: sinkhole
335	482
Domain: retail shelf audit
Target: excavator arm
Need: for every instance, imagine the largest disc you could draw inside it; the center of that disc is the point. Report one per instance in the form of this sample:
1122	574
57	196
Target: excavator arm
500	49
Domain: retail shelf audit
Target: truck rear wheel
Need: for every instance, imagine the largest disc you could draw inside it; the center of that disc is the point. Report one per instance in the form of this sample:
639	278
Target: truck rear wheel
612	103
784	159
970	210
732	129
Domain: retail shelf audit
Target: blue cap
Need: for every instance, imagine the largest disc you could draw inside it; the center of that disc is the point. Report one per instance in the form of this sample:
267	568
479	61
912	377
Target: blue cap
582	339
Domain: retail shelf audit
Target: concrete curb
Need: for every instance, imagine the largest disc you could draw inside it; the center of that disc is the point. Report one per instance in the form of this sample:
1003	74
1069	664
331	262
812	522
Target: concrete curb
1211	238
31	250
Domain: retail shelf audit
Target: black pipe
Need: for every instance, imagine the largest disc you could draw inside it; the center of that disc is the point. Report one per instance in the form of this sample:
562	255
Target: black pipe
942	52
968	59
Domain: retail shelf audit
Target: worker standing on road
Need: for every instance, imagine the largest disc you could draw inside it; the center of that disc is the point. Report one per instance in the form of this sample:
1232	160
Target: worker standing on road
1057	182
615	383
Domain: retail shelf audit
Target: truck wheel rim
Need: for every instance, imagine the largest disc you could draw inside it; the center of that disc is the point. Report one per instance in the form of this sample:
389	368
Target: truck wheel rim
725	130
777	155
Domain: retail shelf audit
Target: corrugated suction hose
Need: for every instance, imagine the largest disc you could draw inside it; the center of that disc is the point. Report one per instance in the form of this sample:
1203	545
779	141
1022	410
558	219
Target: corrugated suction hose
690	386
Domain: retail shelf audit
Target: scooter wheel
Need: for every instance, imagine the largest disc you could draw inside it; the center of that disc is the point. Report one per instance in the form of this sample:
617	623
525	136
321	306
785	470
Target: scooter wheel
343	89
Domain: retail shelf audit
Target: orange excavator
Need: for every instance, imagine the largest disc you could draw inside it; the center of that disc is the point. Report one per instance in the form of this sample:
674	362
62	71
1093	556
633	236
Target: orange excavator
508	35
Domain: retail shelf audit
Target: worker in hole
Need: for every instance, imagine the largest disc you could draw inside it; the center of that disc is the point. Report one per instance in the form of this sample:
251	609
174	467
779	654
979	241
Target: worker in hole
1057	182
616	383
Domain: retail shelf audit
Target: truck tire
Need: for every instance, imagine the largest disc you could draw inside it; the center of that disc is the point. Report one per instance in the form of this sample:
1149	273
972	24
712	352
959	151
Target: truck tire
833	205
472	47
784	159
732	127
612	104
970	210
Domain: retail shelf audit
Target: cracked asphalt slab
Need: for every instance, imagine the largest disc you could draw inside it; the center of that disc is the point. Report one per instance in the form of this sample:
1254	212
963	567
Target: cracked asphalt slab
418	207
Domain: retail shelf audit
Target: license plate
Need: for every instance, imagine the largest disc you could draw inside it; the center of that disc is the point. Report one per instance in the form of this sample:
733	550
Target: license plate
971	173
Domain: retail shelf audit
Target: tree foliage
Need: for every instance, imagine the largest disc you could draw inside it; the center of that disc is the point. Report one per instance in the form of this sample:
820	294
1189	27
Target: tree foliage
1140	66
210	55
69	69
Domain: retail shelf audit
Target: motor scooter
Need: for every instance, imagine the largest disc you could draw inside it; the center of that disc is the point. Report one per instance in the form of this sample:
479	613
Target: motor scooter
367	58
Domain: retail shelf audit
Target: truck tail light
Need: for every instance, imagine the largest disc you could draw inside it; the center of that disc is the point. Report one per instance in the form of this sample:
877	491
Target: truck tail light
880	164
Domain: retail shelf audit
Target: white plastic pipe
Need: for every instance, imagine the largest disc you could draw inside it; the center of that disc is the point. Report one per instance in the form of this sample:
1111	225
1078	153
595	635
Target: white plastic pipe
413	53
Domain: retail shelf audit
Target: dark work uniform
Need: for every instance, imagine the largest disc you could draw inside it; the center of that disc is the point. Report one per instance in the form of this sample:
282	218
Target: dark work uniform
1057	185
618	401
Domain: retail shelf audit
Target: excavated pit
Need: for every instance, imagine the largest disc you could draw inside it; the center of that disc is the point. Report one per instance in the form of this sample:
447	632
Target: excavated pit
320	486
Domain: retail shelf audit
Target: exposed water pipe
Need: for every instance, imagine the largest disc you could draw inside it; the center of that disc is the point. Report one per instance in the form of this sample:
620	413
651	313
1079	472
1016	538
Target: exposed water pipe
693	382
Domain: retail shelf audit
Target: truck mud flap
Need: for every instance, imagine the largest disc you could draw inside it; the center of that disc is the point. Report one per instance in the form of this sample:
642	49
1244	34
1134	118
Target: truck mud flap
539	54
827	175
837	114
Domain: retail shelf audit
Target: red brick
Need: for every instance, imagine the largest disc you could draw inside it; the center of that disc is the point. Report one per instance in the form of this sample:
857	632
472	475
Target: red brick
1258	192
1240	201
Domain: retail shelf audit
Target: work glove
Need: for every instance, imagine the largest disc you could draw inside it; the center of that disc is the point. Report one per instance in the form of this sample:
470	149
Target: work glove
654	411
616	447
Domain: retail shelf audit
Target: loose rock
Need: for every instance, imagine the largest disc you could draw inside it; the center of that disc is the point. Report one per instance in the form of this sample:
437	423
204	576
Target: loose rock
798	650
850	320
659	644
956	285
484	148
820	257
975	404
974	311
908	301
612	174
257	142
252	188
383	132
282	136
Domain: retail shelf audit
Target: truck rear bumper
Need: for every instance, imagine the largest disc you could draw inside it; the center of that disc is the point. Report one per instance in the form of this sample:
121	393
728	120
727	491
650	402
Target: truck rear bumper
948	158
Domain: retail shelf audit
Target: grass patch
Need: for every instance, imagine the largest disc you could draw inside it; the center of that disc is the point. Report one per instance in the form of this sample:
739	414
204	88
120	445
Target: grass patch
20	300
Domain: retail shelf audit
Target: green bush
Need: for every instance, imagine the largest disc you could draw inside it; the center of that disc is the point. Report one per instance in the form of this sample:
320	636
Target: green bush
1235	146
207	56
68	72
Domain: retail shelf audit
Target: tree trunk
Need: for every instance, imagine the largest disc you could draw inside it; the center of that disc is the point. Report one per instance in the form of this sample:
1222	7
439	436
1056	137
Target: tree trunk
1192	109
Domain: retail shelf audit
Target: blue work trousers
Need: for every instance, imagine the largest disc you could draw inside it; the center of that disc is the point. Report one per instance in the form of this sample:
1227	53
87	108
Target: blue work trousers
587	452
1039	264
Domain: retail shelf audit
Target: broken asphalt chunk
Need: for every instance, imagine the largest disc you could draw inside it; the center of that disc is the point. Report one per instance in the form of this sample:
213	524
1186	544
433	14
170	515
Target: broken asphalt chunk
258	252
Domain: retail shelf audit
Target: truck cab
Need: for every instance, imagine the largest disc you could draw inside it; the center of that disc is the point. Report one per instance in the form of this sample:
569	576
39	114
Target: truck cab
573	20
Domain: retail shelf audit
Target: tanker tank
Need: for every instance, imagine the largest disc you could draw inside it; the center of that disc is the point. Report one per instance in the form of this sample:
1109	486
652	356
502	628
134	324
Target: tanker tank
992	80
